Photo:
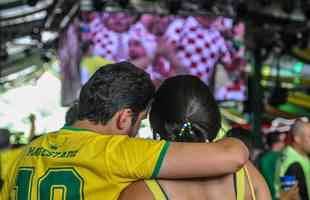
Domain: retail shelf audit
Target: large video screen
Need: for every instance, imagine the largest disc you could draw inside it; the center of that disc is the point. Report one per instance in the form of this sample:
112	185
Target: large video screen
211	48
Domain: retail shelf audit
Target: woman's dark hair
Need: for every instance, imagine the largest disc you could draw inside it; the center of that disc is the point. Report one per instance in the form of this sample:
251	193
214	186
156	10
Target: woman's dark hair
114	87
72	114
185	110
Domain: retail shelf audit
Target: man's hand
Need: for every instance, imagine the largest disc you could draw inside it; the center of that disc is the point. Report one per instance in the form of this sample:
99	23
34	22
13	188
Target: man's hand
292	194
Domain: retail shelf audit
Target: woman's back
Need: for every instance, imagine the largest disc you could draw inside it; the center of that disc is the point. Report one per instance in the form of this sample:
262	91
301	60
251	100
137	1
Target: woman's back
217	188
182	190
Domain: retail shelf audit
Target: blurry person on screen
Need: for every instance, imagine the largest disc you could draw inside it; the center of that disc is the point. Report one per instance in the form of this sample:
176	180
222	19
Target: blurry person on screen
200	46
148	32
110	32
90	62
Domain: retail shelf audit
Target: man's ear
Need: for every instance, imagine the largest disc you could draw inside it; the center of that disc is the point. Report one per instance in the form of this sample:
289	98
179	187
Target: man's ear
124	120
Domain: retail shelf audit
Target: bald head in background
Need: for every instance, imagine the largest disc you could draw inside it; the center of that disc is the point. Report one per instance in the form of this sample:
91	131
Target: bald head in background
301	135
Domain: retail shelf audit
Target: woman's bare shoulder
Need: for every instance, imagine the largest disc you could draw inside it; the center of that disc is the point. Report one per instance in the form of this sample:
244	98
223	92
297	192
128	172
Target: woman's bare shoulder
137	191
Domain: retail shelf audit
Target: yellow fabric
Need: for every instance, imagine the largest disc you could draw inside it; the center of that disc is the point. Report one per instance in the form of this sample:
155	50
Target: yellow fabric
250	183
105	164
7	159
222	132
240	184
157	192
92	63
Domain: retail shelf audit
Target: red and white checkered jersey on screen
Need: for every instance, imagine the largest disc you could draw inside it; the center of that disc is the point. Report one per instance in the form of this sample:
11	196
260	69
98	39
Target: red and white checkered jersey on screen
199	48
107	43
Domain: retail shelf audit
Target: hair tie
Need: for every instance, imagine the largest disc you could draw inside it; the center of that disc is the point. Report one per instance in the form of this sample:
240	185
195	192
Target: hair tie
186	128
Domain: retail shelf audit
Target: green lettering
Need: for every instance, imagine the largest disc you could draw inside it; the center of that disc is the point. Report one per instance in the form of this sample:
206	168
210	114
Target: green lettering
31	151
45	152
38	151
63	154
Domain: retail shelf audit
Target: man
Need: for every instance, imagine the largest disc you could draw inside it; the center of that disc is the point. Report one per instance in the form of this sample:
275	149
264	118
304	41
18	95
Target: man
199	46
90	63
109	33
95	158
295	159
268	160
11	152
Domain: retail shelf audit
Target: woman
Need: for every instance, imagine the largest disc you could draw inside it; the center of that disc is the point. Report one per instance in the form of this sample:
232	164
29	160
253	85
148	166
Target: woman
185	107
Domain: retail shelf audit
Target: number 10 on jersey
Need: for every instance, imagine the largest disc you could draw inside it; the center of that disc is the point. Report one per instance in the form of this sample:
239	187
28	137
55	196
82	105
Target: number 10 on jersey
55	184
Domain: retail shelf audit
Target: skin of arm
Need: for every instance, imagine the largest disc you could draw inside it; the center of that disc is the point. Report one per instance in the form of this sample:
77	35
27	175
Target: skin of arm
191	160
139	188
260	186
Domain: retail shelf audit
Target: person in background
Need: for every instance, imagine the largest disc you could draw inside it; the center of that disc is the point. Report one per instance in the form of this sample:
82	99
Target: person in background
4	138
90	62
4	144
110	33
9	154
184	110
97	157
242	134
267	161
146	47
294	160
291	194
199	47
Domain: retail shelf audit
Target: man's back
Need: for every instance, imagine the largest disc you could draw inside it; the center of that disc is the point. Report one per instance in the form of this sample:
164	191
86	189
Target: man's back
79	164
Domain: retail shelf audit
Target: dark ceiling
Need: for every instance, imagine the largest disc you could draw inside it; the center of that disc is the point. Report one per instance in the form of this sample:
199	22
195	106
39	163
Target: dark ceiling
28	17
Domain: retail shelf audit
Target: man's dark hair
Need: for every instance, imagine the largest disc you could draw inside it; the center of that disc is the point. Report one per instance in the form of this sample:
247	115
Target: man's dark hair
72	115
182	99
272	138
114	87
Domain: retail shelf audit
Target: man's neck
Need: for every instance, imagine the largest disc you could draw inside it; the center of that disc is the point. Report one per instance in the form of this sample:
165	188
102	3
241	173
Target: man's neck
299	150
98	128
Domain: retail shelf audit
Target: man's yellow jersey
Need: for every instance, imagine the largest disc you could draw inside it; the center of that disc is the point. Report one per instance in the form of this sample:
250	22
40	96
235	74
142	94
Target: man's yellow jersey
74	164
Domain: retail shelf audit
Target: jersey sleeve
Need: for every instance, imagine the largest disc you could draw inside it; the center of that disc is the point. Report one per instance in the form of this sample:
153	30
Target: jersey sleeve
136	158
